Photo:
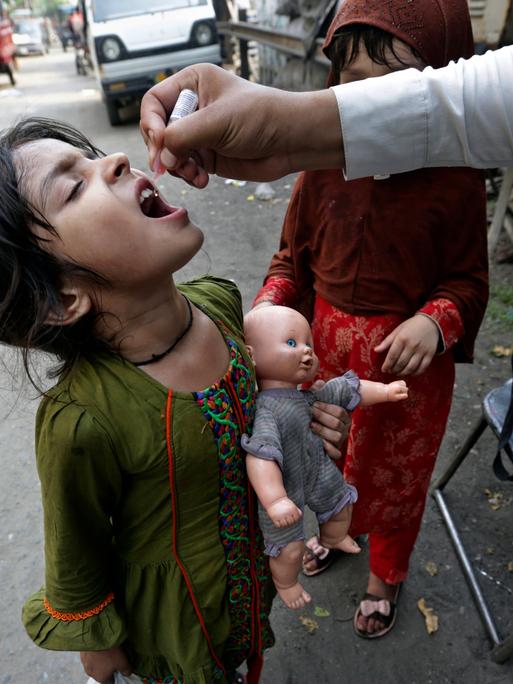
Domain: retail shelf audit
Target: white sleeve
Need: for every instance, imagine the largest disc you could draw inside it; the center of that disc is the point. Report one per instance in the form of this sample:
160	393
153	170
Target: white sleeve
461	115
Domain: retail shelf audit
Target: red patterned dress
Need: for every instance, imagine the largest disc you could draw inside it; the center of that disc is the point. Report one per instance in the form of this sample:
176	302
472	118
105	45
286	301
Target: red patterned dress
358	264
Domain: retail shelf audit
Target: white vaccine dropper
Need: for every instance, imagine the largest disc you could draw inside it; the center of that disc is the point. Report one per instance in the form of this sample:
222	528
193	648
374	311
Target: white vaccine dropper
187	103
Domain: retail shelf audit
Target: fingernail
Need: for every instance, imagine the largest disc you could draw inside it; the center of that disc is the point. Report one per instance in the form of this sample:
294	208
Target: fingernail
168	160
151	137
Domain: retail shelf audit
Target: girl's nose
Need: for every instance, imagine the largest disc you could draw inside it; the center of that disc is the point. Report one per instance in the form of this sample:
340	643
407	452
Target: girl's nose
115	166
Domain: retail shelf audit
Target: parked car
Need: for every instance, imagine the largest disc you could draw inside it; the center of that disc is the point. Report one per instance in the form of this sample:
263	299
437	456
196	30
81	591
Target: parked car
29	37
136	43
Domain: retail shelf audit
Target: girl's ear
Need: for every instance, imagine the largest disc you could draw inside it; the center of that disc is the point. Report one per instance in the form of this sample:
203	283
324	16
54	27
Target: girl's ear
75	303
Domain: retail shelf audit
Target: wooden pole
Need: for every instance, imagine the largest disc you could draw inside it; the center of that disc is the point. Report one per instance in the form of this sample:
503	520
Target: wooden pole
243	48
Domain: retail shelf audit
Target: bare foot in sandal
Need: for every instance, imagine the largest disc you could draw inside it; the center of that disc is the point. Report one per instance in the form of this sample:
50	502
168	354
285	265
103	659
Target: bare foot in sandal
376	614
347	545
317	558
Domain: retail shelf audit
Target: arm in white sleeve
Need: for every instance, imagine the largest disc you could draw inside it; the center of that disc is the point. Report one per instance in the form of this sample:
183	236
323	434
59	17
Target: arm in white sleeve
461	115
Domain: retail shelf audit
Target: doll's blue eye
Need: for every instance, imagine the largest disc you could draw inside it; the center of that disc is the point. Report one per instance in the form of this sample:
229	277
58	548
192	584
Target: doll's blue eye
291	342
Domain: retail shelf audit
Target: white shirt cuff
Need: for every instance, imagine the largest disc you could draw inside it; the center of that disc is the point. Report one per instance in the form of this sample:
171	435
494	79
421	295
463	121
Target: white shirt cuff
372	113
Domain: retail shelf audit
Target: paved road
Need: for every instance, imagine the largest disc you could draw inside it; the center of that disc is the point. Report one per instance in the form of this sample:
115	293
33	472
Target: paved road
240	236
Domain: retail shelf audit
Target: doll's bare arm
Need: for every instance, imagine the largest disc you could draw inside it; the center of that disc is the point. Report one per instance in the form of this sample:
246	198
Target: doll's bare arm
264	461
379	392
267	481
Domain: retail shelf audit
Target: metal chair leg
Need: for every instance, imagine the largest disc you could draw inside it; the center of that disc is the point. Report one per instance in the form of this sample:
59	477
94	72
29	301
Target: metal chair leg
460	456
502	649
468	571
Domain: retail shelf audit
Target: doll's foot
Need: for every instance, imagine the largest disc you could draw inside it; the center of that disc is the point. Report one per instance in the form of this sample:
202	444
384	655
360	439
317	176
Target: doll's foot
283	512
295	596
347	545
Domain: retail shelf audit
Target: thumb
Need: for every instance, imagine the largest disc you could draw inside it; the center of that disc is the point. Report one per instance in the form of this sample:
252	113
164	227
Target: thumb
201	129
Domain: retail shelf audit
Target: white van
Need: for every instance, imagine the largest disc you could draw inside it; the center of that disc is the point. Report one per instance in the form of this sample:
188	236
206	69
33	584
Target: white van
136	43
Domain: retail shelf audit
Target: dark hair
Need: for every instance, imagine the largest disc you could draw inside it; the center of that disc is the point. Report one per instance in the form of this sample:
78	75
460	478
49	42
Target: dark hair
30	277
345	46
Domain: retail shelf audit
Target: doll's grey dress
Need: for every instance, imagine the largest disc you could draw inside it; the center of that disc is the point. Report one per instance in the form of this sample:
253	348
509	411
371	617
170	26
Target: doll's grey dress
282	433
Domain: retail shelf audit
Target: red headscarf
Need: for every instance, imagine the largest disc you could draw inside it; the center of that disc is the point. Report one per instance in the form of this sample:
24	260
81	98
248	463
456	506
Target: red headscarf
388	246
440	30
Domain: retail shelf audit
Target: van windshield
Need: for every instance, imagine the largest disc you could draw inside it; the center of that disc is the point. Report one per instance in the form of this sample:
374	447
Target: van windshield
106	10
29	28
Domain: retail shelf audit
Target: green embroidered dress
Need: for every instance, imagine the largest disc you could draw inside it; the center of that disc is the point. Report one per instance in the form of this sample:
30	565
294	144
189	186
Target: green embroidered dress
150	532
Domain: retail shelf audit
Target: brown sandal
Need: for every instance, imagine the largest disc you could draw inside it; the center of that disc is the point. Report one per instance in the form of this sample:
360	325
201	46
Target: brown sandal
323	559
380	609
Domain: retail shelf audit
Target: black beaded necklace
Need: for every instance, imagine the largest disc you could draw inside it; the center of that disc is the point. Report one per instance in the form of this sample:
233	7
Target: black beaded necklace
157	357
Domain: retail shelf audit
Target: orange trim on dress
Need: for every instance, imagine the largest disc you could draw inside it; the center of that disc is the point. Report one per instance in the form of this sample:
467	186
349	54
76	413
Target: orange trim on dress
83	615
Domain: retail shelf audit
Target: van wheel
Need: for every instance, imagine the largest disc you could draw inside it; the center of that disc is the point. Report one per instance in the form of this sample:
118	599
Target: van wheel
113	112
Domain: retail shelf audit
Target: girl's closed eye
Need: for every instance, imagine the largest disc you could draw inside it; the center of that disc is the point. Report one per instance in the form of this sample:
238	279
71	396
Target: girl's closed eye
75	191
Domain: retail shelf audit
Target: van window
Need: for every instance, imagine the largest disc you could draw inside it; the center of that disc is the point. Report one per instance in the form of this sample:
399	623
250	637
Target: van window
106	10
29	28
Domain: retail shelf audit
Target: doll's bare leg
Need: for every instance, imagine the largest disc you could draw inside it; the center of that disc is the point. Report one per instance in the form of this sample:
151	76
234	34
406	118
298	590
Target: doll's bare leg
333	533
267	481
285	571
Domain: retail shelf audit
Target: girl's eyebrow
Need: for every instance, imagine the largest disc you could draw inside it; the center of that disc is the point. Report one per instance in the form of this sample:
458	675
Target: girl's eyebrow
64	165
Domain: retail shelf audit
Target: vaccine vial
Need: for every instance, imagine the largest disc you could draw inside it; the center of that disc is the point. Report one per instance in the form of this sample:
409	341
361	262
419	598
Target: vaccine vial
186	103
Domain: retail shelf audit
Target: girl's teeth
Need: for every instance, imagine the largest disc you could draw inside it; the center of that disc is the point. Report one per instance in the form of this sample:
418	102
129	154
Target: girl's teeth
147	192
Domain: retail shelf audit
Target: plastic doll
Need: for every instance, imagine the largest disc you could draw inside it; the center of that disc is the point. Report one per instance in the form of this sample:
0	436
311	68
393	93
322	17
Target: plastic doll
286	462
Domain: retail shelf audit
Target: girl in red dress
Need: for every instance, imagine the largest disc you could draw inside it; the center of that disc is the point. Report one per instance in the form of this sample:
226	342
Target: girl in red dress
392	272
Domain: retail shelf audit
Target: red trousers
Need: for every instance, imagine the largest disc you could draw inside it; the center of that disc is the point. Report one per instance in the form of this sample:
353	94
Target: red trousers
392	448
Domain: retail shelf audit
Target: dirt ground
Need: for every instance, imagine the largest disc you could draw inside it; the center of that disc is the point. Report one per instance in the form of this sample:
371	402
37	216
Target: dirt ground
241	235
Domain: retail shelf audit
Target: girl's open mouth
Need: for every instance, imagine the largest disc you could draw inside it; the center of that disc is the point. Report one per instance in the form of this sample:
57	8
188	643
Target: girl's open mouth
150	202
